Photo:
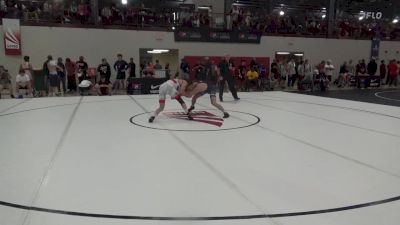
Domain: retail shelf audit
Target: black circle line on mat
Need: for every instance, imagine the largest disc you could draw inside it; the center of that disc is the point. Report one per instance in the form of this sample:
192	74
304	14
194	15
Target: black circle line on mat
233	128
242	217
379	95
326	105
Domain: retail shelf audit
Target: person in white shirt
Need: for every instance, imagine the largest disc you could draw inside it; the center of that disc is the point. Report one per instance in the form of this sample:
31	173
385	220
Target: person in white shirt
23	81
292	73
329	68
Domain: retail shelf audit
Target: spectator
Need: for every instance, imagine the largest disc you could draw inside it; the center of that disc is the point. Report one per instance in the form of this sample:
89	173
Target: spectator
372	67
301	74
120	66
382	71
70	68
342	75
362	76
23	81
308	71
45	76
242	74
275	69
104	70
167	71
283	72
27	67
54	79
185	70
292	73
351	68
251	78
83	12
82	69
132	68
226	77
157	66
5	81
103	87
329	68
200	71
106	16
61	73
392	73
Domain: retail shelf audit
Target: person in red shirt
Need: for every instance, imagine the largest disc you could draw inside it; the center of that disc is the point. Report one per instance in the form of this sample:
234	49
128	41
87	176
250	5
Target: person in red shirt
392	73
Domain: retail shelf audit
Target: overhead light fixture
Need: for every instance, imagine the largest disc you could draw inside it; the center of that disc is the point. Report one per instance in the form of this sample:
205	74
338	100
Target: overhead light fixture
360	18
204	7
157	51
395	21
173	28
299	54
281	13
323	16
124	2
283	53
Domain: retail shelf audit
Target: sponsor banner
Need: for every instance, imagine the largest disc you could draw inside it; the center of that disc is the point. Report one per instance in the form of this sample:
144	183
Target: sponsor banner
12	37
216	36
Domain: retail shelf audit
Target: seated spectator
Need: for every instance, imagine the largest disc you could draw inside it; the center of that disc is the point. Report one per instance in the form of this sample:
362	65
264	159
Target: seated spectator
103	87
23	81
157	66
5	81
85	86
251	78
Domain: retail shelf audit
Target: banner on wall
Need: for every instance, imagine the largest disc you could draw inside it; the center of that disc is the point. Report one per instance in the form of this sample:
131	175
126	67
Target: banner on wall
12	36
216	36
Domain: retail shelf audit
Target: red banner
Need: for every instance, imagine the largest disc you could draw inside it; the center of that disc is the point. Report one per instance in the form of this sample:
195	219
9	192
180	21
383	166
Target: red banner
12	37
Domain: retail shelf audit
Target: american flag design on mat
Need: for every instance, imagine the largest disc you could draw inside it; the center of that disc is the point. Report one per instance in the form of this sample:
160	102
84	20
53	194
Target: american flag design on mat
199	116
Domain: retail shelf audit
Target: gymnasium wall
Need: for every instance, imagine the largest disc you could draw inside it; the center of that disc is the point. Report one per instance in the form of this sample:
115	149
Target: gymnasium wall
95	44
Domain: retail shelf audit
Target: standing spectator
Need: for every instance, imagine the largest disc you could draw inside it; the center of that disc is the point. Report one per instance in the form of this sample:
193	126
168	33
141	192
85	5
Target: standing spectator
83	12
185	70
45	77
392	73
275	69
82	69
104	70
292	73
5	81
226	77
157	66
283	72
329	68
382	71
106	15
54	79
242	74
342	74
132	68
200	71
167	71
301	75
61	73
70	68
23	81
372	67
308	71
120	66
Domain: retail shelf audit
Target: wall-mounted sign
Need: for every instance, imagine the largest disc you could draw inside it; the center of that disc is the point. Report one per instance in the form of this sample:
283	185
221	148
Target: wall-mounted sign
372	15
216	36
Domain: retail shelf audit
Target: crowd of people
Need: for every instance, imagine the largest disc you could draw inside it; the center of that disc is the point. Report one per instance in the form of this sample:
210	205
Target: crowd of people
79	11
58	77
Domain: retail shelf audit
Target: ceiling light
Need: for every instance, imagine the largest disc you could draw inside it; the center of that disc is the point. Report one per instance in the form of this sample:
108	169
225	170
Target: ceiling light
283	53
395	21
323	16
124	2
281	13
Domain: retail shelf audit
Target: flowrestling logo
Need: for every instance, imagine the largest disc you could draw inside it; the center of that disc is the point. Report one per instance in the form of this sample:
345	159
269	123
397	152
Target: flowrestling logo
200	116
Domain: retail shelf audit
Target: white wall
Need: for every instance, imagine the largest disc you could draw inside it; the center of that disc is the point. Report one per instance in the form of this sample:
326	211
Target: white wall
94	44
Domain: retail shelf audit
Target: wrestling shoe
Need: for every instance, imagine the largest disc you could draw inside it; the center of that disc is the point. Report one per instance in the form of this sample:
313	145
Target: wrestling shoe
191	108
226	115
151	119
190	117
